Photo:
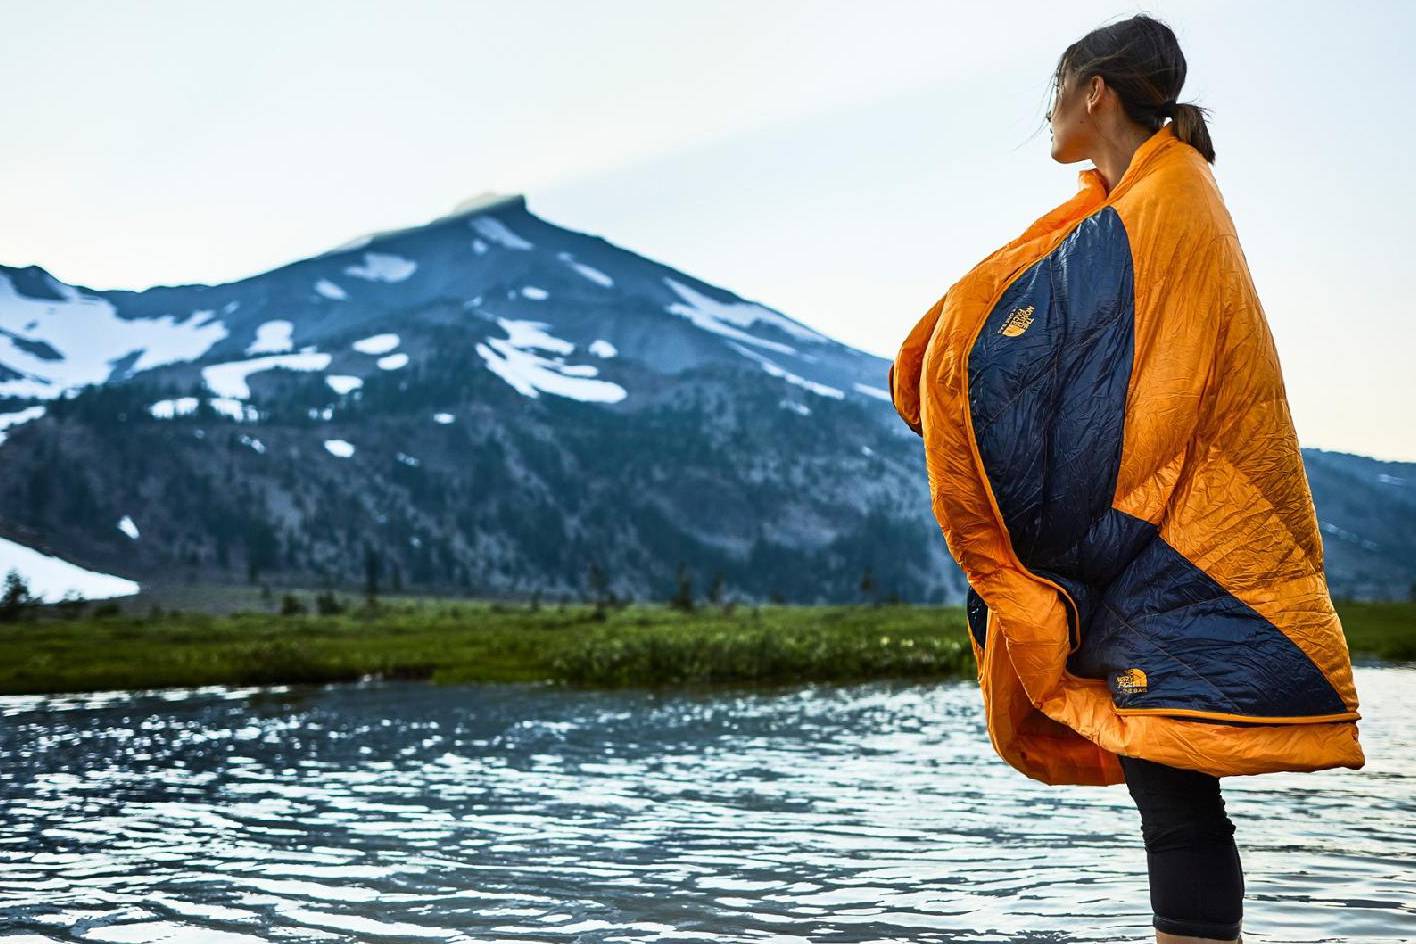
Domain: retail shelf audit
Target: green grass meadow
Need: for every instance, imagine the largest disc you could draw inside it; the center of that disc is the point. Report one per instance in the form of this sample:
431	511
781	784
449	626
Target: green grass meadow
463	641
449	641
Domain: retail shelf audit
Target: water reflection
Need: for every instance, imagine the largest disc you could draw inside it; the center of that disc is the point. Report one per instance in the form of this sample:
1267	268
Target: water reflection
874	812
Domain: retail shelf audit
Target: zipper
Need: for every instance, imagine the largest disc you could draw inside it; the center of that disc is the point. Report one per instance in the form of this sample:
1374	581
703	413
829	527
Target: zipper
1074	627
1254	719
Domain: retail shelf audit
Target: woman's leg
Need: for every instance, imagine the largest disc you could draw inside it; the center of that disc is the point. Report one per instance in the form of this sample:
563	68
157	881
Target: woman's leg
1196	878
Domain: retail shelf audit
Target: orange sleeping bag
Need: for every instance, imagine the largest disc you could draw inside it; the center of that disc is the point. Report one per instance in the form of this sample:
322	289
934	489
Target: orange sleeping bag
1113	464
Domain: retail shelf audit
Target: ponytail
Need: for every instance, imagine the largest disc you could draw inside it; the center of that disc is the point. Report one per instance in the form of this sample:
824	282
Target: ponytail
1190	127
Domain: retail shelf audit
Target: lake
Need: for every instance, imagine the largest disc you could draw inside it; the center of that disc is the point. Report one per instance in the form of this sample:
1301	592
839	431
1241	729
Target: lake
501	812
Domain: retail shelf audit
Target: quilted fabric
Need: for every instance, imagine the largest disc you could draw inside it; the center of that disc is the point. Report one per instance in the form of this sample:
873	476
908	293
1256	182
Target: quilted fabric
1113	464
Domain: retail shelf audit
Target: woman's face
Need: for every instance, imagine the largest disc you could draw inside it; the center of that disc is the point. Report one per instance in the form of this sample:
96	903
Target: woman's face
1071	121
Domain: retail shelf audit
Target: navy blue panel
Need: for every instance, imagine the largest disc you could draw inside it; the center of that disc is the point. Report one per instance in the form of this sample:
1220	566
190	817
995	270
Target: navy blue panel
1199	646
1048	377
1088	568
1048	405
977	612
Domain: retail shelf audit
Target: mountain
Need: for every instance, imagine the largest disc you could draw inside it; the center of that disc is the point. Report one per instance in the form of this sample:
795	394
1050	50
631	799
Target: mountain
491	403
485	403
1367	513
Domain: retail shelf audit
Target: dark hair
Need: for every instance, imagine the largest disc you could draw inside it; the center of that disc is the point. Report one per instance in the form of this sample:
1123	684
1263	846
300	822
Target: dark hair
1140	59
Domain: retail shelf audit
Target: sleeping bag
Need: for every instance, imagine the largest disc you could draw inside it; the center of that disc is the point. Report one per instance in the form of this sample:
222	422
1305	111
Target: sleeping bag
1112	461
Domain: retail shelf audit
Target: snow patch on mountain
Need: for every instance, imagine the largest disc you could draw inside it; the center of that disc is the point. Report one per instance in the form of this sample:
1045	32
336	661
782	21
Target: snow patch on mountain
1349	536
9	421
393	361
514	359
376	344
185	406
534	293
876	392
528	334
590	272
383	267
799	408
272	337
340	448
330	290
126	525
776	370
75	340
728	318
343	383
493	229
238	411
229	380
50	577
177	406
602	348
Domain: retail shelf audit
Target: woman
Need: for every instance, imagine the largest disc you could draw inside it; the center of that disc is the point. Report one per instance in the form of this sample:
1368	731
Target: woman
1112	462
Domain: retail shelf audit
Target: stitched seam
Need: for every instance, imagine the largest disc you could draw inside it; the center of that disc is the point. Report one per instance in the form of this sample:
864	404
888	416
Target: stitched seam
1149	617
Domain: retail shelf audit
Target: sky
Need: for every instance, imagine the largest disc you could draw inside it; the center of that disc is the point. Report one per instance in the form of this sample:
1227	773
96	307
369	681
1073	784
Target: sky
843	163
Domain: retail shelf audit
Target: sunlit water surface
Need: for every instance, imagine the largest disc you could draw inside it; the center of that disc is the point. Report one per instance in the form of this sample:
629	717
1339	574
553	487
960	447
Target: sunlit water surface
873	812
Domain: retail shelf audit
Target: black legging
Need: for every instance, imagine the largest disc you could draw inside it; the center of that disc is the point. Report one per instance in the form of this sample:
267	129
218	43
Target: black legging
1196	880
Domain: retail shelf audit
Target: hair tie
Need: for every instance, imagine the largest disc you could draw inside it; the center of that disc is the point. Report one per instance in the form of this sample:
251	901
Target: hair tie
1167	109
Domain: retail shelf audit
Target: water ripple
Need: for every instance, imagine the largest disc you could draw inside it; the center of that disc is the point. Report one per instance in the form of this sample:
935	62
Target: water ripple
873	812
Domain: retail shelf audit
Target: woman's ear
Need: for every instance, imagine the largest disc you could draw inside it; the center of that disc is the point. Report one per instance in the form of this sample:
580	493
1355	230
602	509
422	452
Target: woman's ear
1096	91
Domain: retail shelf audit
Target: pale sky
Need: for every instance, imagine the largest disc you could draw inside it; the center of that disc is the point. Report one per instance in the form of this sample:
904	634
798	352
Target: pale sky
842	162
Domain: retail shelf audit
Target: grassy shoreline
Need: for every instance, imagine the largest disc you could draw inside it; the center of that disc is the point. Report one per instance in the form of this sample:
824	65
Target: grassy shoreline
451	641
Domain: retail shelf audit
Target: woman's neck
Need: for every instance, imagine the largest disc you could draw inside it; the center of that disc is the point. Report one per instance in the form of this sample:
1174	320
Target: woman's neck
1114	153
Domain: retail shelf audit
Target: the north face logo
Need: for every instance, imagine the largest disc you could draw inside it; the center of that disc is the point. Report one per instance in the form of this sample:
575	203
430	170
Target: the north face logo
1017	322
1130	682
